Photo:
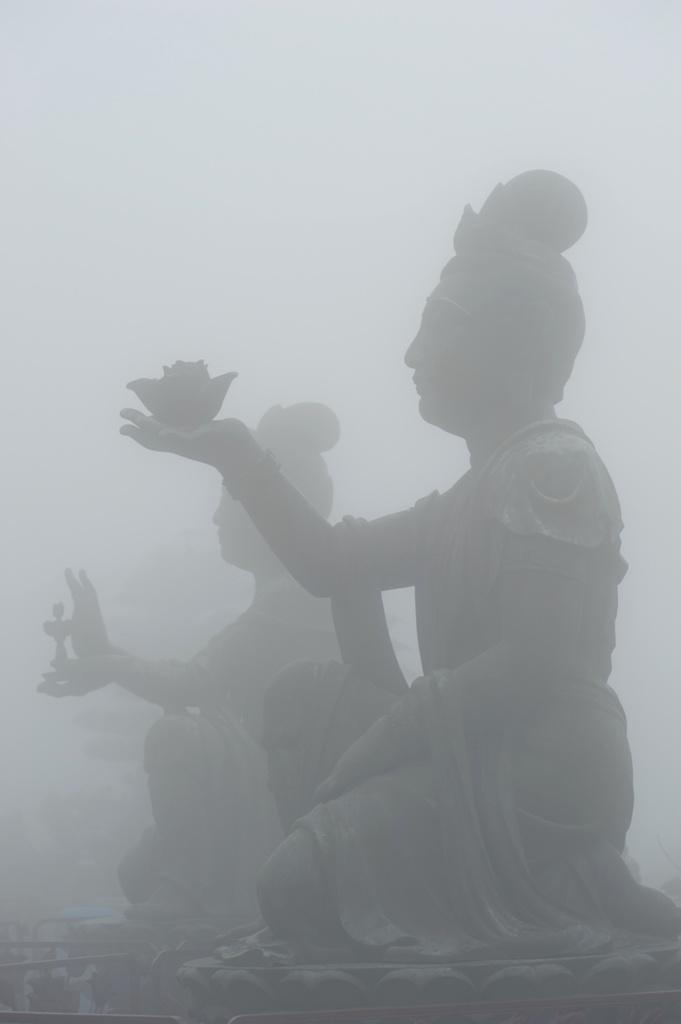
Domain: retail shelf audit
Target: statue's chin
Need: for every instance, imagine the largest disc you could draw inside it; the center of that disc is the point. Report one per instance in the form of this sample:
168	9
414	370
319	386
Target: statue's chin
426	411
437	417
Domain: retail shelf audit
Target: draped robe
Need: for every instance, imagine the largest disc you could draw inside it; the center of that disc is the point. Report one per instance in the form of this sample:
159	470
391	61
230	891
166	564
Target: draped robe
497	836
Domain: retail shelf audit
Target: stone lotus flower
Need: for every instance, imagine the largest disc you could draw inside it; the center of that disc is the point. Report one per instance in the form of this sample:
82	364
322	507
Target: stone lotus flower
186	396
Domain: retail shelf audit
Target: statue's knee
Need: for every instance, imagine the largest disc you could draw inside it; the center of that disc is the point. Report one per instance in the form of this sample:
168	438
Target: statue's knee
172	740
285	696
298	709
290	683
167	732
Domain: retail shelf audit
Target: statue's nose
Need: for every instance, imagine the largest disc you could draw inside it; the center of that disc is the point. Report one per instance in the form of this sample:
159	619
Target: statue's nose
412	356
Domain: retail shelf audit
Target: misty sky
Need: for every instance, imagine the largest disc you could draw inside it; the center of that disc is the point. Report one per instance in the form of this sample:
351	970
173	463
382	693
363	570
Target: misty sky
273	187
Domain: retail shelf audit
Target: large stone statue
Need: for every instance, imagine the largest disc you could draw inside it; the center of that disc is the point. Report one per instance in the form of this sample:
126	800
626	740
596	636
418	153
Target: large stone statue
484	811
215	822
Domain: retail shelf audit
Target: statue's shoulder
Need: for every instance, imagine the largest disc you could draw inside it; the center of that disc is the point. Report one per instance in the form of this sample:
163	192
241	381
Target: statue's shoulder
549	479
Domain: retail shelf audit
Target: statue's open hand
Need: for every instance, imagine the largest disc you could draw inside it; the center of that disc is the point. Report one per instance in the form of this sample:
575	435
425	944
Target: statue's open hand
88	631
225	444
74	677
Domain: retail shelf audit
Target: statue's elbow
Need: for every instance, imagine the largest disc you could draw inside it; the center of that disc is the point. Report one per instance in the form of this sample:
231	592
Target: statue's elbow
317	584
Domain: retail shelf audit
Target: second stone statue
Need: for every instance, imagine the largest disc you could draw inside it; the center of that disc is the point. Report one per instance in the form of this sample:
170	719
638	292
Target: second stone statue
214	819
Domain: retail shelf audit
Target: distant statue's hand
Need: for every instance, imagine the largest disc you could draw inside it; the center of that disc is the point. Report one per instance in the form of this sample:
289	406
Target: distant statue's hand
74	677
225	444
88	631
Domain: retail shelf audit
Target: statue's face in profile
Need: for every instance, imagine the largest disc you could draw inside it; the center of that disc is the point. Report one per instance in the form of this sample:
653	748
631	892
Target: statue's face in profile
458	374
240	542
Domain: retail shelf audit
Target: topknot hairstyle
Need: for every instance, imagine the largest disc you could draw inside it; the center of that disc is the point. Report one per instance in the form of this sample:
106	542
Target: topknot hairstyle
308	425
297	435
517	240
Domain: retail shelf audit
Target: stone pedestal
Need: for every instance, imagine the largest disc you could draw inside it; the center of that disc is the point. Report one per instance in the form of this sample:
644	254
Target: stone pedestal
220	992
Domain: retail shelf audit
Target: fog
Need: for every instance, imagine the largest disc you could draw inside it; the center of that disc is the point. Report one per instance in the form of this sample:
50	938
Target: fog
273	187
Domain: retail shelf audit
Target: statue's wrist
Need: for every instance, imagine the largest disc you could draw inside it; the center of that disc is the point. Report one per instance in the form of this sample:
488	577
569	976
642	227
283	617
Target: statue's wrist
252	475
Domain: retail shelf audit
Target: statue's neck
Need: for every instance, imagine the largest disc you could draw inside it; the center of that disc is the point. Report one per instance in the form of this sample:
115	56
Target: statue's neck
484	438
266	574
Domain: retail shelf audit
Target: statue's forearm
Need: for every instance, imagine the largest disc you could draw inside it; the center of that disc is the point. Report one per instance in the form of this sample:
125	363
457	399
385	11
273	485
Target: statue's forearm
164	683
506	679
300	537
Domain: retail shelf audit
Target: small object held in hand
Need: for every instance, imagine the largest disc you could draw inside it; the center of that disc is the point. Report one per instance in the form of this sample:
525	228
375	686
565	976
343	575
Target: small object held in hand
58	629
186	396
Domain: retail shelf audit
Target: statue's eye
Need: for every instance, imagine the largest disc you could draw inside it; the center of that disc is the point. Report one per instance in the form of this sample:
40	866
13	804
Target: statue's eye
446	330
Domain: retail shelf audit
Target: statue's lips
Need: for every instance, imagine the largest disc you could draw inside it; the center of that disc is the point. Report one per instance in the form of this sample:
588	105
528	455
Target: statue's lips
423	384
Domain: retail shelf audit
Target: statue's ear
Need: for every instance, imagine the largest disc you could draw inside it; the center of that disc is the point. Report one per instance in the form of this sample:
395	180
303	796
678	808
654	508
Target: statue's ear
537	343
540	321
535	328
